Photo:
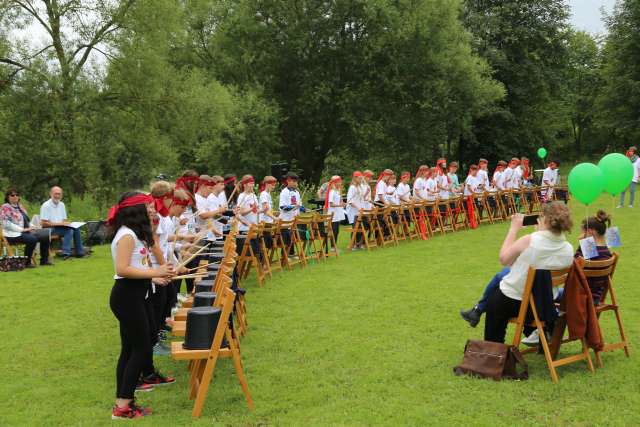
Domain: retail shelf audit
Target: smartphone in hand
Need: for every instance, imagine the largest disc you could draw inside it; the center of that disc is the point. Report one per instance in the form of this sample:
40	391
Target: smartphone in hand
530	220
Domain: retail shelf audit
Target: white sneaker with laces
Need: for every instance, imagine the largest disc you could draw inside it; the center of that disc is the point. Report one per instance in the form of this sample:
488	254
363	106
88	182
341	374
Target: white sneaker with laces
532	340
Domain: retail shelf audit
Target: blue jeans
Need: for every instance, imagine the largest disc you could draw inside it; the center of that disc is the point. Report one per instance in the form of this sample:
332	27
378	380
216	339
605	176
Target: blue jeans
492	286
632	193
68	233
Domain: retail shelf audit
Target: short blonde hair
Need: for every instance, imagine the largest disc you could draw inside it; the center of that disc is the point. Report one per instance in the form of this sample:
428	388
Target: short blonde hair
161	188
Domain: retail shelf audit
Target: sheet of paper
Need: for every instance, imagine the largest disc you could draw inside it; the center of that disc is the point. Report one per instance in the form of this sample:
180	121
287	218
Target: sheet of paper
589	248
613	237
77	224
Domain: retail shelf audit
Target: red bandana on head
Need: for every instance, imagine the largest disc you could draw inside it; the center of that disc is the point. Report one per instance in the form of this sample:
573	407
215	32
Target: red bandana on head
138	199
332	181
160	206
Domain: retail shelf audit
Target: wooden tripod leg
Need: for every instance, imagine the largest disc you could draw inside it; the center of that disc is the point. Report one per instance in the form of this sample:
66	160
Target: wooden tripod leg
586	354
237	363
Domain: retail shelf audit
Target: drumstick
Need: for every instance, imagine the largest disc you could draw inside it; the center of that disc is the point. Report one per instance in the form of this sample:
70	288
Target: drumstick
185	262
202	266
188	276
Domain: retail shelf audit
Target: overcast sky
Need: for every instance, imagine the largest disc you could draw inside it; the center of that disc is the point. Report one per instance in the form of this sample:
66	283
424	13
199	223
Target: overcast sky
586	14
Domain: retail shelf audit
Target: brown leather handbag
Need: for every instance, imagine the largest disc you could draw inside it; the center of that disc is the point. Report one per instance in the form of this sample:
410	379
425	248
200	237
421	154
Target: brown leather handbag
486	359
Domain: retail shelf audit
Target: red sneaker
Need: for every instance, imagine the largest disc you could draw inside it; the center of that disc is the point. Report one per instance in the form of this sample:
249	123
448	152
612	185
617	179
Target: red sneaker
145	410
157	379
126	413
144	387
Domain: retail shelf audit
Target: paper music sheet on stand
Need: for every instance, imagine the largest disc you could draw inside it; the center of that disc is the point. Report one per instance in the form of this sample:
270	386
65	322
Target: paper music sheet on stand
77	224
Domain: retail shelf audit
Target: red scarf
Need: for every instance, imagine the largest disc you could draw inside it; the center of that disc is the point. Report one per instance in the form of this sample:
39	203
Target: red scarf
332	181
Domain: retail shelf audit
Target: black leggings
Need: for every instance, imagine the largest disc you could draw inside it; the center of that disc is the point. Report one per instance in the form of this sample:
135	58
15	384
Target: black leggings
128	305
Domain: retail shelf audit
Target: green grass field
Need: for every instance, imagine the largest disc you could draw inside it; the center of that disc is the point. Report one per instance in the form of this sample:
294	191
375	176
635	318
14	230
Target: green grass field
366	339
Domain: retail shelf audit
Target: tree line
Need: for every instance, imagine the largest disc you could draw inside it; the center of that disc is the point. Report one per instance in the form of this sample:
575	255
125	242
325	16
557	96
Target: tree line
106	94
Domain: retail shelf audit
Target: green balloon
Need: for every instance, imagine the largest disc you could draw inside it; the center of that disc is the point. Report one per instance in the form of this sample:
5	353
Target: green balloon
617	171
542	152
586	182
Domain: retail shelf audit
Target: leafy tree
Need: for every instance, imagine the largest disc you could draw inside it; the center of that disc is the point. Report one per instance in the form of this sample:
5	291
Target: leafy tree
525	42
619	102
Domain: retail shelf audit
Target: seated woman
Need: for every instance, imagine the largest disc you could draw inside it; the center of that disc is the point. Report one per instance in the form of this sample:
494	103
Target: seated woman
16	228
546	248
596	226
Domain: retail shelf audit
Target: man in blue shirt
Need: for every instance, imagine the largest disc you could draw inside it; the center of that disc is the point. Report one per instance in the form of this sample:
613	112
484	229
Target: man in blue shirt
53	214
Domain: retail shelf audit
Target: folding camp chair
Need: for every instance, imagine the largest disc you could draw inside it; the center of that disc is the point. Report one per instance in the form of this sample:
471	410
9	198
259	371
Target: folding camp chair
558	278
203	362
459	214
605	269
328	243
249	257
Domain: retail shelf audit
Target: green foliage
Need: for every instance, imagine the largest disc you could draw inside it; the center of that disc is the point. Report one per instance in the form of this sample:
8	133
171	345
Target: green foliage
365	339
619	101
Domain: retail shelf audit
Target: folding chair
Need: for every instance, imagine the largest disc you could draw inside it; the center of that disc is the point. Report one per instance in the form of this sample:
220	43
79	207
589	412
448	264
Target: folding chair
558	278
607	268
360	231
459	214
289	254
535	206
203	362
328	244
304	224
317	227
402	228
272	231
443	210
418	219
384	215
483	211
249	258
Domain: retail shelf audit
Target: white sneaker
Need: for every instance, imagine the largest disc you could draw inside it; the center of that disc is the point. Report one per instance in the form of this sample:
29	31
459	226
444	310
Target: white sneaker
533	339
630	206
619	206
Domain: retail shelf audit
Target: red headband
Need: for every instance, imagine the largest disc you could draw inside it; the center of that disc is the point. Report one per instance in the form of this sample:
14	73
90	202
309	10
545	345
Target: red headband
248	180
333	180
207	182
406	174
181	202
138	199
357	174
160	206
184	180
230	180
369	174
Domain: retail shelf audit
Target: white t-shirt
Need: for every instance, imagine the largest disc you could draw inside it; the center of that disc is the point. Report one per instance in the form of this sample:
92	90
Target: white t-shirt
53	212
516	178
443	182
547	251
208	204
483	178
248	201
139	255
549	177
265	197
289	196
498	179
507	178
366	196
431	186
403	193
473	182
420	189
390	195
337	211
381	191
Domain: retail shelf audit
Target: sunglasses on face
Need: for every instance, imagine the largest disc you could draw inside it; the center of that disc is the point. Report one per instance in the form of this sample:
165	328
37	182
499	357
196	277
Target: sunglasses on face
14	195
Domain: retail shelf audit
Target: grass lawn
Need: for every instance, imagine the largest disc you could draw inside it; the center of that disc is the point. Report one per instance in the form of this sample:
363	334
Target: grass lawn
369	338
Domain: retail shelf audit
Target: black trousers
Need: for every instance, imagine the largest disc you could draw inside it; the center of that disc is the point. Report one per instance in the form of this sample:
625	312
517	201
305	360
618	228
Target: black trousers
335	228
500	308
158	301
128	305
152	319
30	240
